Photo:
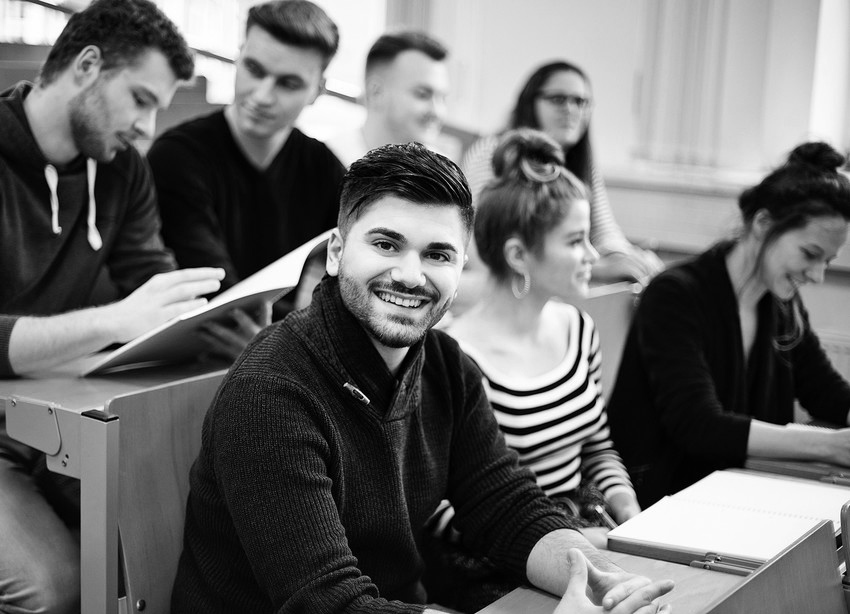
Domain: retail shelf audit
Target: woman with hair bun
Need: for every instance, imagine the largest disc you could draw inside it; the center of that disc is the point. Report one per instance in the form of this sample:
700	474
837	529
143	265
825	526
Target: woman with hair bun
720	347
538	354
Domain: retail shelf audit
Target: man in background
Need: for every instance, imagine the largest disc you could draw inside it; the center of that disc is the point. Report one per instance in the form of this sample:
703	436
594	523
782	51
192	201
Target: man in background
77	203
405	91
241	187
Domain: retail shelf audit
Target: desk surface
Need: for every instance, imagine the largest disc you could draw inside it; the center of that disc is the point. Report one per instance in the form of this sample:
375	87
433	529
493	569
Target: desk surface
63	387
694	587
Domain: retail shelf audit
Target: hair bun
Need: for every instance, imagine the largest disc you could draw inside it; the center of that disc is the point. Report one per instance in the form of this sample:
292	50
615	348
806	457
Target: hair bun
819	155
527	154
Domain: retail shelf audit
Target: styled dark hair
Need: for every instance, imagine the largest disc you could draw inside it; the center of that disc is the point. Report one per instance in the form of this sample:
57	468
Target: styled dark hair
298	23
123	30
579	158
807	186
532	192
387	47
411	172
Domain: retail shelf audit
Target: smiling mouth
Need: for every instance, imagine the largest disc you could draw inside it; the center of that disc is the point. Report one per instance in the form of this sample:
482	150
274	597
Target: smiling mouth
411	303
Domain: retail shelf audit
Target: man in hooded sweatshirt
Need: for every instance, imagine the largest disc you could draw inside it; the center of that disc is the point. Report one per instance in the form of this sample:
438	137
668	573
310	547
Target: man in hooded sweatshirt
77	203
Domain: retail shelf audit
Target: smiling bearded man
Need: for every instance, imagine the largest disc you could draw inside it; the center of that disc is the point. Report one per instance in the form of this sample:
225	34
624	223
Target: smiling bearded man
339	430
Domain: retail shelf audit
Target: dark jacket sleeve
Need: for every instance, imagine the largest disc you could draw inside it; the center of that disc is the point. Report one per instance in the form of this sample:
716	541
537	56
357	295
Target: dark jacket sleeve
6	325
673	338
138	252
499	508
191	227
821	390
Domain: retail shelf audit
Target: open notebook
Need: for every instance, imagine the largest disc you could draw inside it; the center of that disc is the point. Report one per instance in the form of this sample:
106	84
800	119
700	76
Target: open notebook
176	341
734	517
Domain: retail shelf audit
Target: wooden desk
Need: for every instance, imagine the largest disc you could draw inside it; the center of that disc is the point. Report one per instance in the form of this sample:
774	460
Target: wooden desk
802	578
64	416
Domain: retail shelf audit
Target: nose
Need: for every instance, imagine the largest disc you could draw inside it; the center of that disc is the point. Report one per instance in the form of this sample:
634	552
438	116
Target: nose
145	125
264	91
816	272
590	253
438	107
408	271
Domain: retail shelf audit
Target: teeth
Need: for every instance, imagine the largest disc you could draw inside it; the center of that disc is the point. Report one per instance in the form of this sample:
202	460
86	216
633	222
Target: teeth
395	300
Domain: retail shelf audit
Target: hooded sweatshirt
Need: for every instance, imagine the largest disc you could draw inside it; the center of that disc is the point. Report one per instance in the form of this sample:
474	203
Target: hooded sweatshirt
61	227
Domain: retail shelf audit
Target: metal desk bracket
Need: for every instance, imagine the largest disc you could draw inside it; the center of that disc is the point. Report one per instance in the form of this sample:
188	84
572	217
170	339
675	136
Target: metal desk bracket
34	423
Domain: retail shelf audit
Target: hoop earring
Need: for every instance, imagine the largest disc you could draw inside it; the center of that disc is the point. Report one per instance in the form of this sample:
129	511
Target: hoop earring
520	294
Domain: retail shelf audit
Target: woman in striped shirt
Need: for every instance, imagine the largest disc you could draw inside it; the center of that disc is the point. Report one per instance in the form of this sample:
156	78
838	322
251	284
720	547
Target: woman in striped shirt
557	99
539	354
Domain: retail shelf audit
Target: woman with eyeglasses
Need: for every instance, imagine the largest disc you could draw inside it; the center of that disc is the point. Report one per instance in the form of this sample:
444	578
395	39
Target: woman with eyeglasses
720	347
557	100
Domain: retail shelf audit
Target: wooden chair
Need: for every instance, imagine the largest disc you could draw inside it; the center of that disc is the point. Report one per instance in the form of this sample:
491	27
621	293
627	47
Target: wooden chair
612	306
160	436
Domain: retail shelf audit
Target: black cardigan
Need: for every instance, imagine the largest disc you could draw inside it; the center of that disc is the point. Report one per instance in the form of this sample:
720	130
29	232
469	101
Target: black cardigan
684	397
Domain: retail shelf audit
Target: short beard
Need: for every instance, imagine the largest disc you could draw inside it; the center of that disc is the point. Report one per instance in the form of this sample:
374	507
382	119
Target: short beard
87	115
392	332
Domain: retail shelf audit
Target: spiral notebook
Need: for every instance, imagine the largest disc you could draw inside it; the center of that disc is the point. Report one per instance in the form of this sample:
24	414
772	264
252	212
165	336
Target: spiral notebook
733	520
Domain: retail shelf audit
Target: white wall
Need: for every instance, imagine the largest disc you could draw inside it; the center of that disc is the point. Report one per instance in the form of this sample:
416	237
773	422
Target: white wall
496	44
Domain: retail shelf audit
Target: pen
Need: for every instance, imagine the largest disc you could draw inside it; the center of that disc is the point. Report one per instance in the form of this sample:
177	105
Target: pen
605	516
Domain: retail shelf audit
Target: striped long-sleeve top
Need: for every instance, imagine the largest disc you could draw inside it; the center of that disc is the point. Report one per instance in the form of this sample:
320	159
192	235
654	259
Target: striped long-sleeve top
556	421
605	235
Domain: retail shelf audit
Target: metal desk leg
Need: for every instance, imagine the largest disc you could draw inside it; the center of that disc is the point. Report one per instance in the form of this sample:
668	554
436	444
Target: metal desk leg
99	512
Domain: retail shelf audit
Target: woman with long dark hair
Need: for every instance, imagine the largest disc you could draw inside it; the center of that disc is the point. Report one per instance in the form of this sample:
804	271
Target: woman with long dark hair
557	99
720	347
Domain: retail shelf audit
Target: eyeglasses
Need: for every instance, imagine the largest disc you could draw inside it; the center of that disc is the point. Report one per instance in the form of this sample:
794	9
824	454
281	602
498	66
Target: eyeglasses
563	100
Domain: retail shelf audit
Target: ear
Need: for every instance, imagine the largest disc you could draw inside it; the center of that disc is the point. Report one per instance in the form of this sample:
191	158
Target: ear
373	90
762	221
87	65
516	255
320	89
334	253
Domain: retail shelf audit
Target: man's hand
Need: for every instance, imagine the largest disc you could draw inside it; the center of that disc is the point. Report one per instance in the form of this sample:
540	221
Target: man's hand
229	341
161	298
621	593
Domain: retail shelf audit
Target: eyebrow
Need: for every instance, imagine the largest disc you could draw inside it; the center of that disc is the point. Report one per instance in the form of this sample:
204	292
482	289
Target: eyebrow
148	95
397	236
277	77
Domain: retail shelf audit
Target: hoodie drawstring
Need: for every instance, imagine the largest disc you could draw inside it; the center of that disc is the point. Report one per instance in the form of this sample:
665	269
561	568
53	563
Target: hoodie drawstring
93	235
52	178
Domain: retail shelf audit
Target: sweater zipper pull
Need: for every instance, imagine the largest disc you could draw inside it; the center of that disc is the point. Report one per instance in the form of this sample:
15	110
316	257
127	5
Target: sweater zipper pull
356	393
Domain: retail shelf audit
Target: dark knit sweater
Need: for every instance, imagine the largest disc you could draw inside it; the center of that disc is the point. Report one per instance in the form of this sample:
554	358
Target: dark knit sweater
44	273
685	395
306	499
219	210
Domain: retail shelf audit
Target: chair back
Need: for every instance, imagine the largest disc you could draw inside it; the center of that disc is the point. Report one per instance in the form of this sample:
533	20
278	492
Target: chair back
612	307
160	437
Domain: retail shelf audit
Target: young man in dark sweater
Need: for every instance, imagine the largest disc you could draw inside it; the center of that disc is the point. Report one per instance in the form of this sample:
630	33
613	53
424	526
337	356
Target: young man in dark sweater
241	187
76	202
339	430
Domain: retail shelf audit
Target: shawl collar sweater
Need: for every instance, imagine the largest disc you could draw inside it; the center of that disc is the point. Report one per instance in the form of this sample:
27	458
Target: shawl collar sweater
685	394
310	496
